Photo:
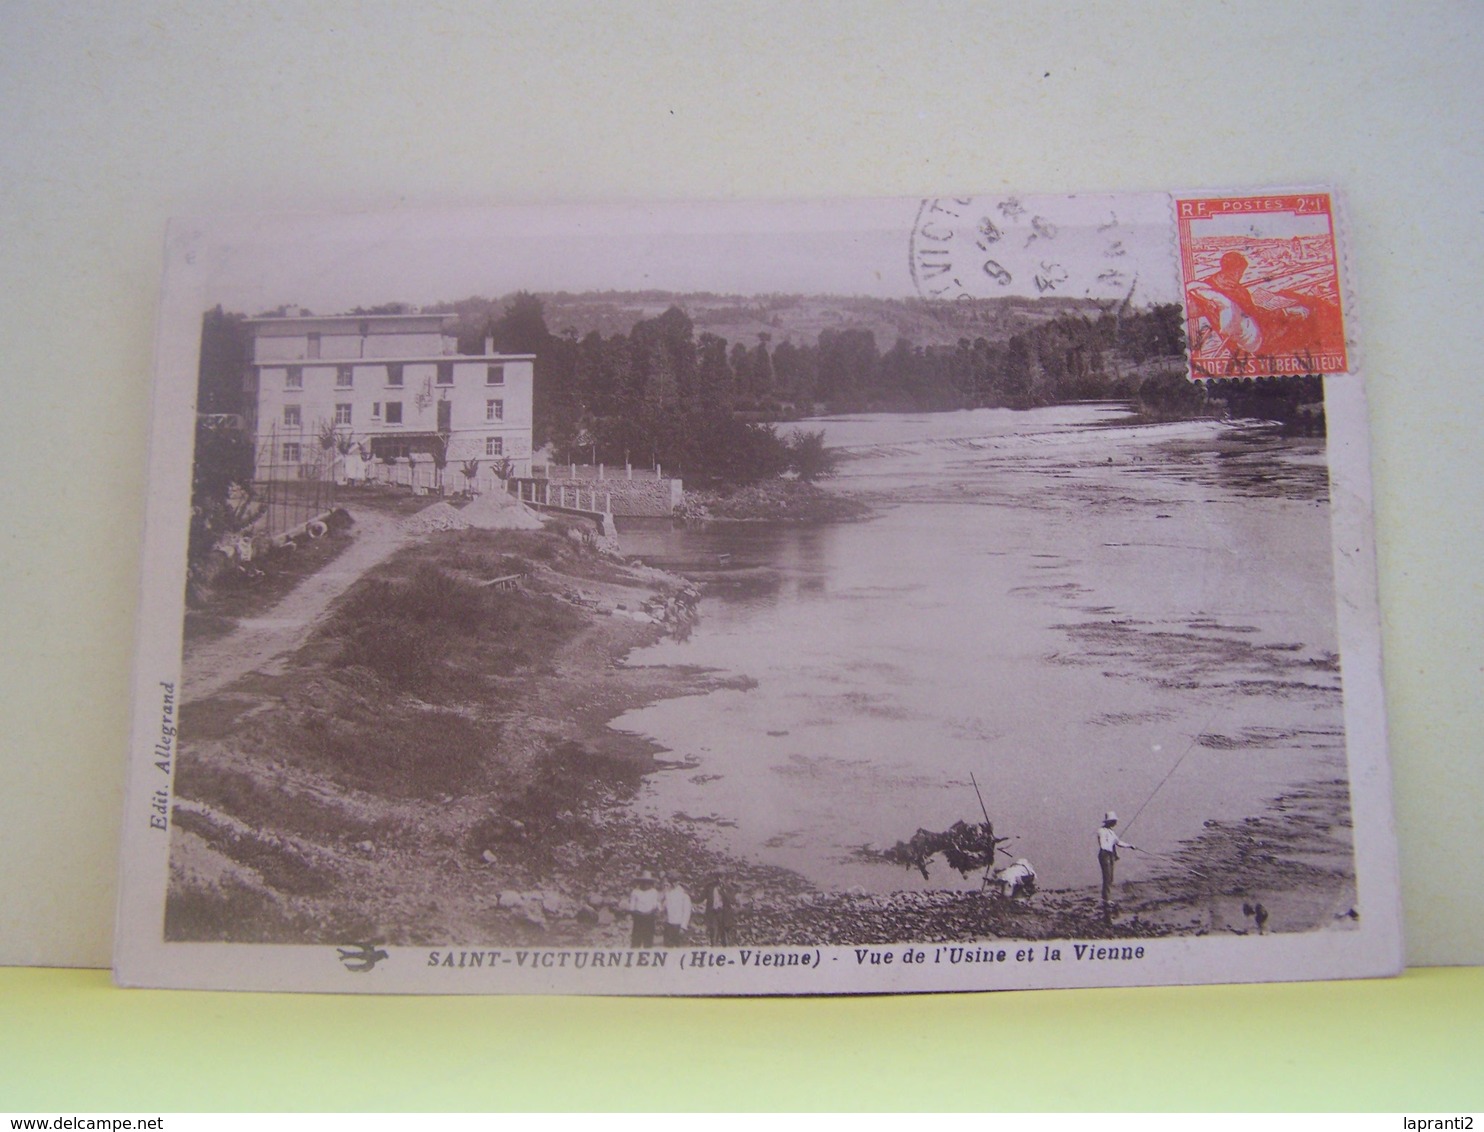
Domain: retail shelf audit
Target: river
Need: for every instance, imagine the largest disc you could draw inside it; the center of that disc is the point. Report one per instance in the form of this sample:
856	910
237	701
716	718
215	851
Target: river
1080	612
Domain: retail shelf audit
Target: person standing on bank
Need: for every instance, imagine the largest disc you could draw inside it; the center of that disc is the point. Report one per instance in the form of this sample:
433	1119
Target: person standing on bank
1108	845
717	902
644	908
677	908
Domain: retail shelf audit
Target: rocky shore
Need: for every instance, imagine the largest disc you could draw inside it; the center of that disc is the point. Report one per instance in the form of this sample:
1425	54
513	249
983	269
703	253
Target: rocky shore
435	766
780	500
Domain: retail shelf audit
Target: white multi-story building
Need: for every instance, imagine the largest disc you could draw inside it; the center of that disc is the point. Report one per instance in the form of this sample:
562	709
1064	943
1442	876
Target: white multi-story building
394	385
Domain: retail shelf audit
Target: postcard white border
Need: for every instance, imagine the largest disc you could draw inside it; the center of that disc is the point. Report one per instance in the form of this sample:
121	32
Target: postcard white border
142	958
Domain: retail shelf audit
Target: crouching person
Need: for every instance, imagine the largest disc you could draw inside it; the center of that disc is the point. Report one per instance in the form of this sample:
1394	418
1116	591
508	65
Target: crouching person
1018	880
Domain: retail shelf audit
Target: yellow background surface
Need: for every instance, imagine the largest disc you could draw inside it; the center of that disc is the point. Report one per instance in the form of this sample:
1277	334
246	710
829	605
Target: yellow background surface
69	1042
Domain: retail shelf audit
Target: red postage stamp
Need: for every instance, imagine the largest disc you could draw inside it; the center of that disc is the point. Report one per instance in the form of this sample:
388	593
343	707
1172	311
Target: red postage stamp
1261	281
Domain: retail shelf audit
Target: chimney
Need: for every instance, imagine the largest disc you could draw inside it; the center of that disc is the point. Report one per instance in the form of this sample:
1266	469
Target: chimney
489	344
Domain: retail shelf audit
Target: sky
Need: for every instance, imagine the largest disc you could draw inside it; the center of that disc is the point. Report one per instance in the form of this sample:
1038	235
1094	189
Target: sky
980	247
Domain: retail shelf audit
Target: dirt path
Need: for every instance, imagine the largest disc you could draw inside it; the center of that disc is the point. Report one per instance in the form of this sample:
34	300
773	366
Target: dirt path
262	643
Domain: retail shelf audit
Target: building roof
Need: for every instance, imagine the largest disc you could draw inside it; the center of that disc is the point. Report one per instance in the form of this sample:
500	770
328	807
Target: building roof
302	321
351	317
305	363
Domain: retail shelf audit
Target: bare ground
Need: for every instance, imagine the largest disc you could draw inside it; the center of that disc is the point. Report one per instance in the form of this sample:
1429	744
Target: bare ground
262	643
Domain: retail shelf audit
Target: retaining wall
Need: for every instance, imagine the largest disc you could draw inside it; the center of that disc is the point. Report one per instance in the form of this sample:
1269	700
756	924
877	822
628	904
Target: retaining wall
645	494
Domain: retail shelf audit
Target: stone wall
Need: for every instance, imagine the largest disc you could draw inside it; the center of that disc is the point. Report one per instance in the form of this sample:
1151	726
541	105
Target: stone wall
639	497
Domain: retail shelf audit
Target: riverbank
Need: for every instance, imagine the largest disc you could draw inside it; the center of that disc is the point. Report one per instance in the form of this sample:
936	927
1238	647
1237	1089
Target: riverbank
776	500
436	744
1285	870
435	766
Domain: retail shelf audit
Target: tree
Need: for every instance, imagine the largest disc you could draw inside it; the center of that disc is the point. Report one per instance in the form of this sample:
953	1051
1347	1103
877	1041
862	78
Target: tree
329	439
522	328
470	468
222	499
808	456
224	355
554	404
1018	374
760	379
848	361
1171	395
438	450
713	371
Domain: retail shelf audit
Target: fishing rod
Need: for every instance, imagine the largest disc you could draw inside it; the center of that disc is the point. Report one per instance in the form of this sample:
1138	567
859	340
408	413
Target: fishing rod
989	827
1196	738
994	842
1172	859
983	809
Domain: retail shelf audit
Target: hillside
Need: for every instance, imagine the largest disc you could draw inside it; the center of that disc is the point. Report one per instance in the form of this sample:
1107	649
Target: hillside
796	318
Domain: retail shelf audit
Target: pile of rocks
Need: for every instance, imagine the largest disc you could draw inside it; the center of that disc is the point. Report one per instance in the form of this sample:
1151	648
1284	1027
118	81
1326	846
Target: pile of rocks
499	511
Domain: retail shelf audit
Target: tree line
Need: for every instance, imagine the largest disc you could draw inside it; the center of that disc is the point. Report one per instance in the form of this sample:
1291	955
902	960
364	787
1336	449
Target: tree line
706	407
665	394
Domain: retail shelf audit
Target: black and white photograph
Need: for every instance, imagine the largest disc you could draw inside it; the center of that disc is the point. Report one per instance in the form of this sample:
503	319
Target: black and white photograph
744	598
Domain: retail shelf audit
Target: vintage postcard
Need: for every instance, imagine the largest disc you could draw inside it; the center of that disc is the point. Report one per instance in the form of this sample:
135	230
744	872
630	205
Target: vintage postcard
761	598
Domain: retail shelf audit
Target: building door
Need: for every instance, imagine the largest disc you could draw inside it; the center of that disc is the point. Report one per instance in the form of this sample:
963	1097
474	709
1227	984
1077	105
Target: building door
445	416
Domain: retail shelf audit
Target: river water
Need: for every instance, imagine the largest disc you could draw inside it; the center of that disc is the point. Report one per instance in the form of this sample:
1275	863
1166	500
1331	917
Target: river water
1082	613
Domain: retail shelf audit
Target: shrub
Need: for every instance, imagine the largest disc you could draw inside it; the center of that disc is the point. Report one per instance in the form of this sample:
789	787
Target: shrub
808	456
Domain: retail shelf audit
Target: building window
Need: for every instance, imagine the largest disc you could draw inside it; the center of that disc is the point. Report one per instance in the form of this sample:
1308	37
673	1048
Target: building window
494	375
313	345
376	410
342	414
445	373
293	378
290	452
394	373
494	446
291	416
494	410
343	377
394	412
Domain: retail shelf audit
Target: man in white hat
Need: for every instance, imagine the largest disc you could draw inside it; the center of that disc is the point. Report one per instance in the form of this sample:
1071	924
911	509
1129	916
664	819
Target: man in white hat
677	907
1108	845
644	907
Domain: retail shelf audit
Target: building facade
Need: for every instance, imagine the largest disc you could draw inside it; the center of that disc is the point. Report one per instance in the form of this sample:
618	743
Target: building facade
382	388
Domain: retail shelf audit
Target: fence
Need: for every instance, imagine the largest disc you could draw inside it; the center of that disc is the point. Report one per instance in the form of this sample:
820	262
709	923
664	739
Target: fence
293	492
587	472
569	496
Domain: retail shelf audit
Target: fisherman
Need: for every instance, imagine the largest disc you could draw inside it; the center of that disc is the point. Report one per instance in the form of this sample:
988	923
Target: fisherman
1108	845
677	907
1018	879
644	908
